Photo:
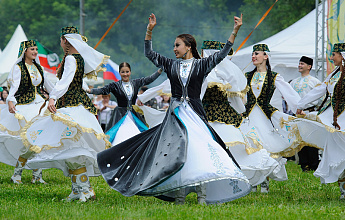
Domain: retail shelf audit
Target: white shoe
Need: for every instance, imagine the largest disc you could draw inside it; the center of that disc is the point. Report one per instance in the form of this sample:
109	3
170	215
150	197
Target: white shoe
180	196
265	186
37	176
201	192
16	179
84	196
254	188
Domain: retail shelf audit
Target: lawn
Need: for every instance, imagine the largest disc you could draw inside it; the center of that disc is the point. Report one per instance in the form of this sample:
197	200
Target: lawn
300	197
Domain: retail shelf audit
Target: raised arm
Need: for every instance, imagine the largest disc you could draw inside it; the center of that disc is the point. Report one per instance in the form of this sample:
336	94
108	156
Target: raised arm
237	26
149	79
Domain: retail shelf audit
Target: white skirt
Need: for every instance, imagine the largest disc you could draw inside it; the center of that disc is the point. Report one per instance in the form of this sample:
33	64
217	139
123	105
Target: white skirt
68	139
318	131
256	165
279	140
207	163
11	125
127	130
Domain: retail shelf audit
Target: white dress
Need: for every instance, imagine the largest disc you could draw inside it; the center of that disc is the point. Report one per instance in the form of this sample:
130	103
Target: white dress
278	140
11	125
318	131
68	139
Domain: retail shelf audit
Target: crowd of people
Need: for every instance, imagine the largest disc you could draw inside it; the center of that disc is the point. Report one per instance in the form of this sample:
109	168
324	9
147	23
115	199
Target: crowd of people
211	135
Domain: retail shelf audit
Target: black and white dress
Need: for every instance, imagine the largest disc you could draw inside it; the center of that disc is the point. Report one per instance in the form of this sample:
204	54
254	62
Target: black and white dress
181	152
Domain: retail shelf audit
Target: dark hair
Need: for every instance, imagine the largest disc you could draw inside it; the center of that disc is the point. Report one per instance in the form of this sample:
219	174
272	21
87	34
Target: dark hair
190	41
3	99
338	94
124	64
62	64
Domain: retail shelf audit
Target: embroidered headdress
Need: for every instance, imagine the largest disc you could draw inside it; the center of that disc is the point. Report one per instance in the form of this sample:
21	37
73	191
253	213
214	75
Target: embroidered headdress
25	45
261	47
214	45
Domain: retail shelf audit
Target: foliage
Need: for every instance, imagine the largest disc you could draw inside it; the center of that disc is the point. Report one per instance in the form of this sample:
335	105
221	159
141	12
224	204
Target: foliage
300	197
205	19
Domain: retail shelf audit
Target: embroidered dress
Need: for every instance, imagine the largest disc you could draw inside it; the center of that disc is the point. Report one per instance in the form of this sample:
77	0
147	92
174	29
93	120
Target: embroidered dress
316	129
181	152
222	102
125	121
264	125
25	93
72	136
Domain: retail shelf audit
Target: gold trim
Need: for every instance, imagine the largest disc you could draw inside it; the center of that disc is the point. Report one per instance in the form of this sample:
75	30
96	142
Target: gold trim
77	171
93	74
67	122
138	110
224	88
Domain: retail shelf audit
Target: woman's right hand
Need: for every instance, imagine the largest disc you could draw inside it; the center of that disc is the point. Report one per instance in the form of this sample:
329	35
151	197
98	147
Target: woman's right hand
11	107
51	106
152	22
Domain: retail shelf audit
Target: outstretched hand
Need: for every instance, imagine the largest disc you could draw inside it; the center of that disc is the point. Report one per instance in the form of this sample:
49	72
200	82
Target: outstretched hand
238	22
152	22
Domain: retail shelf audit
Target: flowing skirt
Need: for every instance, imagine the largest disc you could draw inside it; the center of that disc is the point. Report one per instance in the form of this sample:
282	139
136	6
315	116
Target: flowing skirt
11	125
256	165
128	126
196	159
318	131
68	139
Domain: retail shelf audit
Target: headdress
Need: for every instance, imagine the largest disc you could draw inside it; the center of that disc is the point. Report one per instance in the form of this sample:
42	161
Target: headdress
307	60
339	47
214	45
25	45
261	47
93	59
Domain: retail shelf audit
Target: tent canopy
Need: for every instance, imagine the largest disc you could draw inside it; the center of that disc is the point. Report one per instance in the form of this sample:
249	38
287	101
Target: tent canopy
286	47
10	53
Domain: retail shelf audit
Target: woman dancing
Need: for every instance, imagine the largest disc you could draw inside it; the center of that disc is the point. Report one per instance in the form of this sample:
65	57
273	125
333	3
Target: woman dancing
265	125
325	128
183	153
69	136
26	81
125	122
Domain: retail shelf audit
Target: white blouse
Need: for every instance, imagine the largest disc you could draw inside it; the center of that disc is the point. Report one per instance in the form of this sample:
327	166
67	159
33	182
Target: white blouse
15	77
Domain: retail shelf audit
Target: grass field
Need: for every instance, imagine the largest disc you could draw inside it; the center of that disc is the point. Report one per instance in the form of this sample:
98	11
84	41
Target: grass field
300	197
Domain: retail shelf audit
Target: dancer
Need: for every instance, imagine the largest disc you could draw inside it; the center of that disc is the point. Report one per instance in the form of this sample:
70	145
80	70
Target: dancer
183	153
264	120
223	103
325	129
125	122
26	81
69	136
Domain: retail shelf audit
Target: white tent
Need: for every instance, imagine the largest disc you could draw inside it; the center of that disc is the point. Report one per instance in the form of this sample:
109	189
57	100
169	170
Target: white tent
286	48
10	54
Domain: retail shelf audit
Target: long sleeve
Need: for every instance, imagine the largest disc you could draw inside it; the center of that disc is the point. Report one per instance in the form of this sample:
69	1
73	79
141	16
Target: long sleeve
289	94
314	94
155	91
217	57
105	90
48	85
14	82
157	59
62	85
149	79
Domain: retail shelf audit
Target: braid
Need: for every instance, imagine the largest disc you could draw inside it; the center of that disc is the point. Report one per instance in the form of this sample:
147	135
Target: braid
190	41
339	94
42	83
62	64
195	52
269	73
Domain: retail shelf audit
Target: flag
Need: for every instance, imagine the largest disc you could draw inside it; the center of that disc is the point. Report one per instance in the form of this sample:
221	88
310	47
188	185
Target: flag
112	72
48	60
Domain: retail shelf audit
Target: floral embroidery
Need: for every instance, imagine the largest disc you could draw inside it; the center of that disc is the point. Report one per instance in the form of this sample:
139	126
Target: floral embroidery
216	160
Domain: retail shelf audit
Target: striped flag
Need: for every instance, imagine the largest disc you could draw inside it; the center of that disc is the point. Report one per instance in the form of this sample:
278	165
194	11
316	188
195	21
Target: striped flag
48	60
112	72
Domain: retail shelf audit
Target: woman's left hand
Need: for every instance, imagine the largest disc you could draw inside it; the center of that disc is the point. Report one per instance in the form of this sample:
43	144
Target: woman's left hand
51	106
237	22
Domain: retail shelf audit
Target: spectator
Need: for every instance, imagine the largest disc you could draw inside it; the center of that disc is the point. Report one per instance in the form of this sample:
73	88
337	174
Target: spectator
105	106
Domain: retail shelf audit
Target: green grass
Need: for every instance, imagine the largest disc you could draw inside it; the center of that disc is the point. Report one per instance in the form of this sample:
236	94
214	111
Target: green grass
300	197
